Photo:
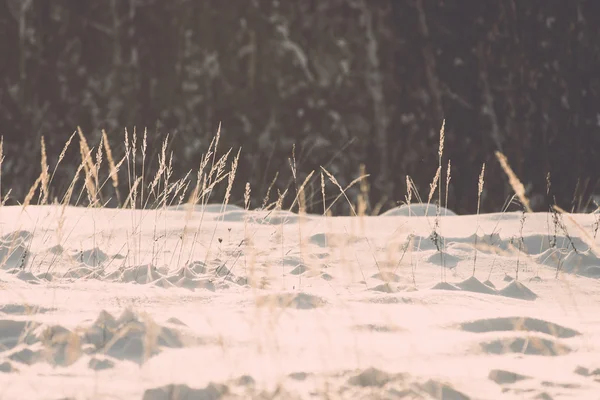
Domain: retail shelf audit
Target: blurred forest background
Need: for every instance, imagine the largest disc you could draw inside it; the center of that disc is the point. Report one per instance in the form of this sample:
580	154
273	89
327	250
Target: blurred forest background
349	82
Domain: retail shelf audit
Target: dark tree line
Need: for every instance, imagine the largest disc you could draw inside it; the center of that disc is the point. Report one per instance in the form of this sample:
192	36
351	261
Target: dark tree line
348	82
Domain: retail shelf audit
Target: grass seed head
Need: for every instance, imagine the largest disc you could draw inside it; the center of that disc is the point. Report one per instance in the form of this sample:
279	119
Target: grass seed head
514	182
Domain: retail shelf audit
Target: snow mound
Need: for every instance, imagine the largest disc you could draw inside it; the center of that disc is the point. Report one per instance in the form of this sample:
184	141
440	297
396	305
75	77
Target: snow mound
299	269
292	261
518	324
444	286
45	276
372	377
529	345
441	258
439	390
333	239
473	284
140	274
490	284
192	269
584	263
502	377
195	275
99	364
133	336
387	277
280	217
14	249
235	216
213	208
16	236
83	272
23	309
299	376
32	343
417	210
326	277
25	276
384	288
488	243
90	257
587	371
423	243
14	331
537	244
184	392
299	301
163	283
57	250
6	367
517	290
193	283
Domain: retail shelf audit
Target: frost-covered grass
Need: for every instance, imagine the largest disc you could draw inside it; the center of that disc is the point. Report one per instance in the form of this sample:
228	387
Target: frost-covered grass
176	294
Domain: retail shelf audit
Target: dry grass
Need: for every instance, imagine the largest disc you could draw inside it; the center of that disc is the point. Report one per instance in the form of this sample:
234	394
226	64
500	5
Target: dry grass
479	191
158	192
155	194
514	182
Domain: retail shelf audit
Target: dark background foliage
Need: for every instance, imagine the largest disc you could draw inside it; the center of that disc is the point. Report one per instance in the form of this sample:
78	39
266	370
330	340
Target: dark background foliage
349	82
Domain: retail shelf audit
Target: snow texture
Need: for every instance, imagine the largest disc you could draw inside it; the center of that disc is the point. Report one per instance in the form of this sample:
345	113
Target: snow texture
222	303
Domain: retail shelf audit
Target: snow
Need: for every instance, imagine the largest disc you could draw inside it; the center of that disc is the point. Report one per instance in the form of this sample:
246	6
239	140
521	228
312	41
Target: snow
224	303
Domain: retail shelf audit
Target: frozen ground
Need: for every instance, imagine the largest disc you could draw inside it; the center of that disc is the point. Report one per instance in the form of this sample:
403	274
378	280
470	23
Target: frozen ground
185	304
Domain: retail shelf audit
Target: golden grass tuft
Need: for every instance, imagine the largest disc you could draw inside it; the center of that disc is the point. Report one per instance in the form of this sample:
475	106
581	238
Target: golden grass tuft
409	191
268	195
44	177
114	176
433	185
442	138
88	167
586	237
323	193
62	155
440	155
301	190
231	176
1	162
480	186
363	196
514	182
344	190
31	192
247	196
448	178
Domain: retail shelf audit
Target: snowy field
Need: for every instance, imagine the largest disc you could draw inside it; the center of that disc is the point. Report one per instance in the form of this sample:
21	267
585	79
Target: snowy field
226	304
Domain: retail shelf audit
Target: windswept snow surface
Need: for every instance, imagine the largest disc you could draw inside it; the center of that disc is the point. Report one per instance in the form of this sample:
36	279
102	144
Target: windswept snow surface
212	303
